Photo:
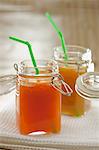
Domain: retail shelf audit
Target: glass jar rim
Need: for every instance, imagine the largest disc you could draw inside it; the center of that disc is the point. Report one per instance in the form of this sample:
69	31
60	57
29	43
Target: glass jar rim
46	67
87	85
76	54
84	49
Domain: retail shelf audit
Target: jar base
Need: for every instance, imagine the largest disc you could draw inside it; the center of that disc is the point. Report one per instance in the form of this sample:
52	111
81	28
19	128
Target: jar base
73	115
40	132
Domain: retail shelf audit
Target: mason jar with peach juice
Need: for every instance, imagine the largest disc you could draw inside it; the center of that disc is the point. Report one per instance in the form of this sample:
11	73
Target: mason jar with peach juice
79	61
38	98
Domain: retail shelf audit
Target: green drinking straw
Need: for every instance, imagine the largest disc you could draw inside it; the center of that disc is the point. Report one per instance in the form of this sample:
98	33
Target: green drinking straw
30	51
60	34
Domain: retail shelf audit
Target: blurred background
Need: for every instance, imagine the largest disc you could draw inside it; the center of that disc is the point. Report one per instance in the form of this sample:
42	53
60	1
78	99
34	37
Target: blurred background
78	20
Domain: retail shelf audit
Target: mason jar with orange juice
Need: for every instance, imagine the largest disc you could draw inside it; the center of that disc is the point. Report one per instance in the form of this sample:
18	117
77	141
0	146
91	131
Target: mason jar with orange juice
38	97
79	62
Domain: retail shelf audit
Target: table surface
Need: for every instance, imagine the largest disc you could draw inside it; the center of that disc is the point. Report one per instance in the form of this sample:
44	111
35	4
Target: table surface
76	133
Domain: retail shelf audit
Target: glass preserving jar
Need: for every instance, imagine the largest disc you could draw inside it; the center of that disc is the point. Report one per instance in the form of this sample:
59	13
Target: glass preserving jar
38	97
79	62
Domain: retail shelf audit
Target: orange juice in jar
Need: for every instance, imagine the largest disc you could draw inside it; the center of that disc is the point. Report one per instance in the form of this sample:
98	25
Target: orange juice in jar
38	102
79	62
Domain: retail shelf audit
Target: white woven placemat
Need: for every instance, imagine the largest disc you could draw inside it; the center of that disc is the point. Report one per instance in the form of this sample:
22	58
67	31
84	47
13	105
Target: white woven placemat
76	133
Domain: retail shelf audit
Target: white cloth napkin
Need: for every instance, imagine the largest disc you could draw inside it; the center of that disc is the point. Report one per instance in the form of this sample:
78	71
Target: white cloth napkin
76	133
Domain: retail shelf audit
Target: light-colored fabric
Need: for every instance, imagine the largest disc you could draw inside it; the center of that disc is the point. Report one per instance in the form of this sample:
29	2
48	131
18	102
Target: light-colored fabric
76	133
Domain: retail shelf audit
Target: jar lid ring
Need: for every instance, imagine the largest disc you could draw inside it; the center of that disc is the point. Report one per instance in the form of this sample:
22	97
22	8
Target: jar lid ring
91	81
87	85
